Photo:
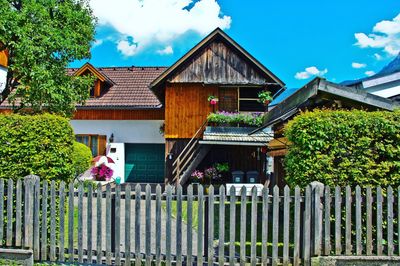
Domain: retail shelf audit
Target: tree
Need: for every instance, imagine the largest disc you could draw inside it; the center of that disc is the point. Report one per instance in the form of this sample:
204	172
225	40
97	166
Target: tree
42	37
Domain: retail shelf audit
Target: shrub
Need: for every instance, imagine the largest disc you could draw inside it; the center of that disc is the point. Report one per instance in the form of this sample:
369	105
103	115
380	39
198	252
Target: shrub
82	158
36	144
344	148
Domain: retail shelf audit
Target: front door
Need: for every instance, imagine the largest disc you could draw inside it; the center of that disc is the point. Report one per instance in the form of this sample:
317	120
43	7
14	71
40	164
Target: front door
144	163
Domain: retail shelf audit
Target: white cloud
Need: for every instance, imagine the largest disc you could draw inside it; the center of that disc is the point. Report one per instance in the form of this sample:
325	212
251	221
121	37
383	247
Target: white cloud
127	48
369	73
149	22
97	42
166	51
378	56
386	36
309	72
358	65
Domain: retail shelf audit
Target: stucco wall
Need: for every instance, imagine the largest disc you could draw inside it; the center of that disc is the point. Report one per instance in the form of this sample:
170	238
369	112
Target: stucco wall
125	131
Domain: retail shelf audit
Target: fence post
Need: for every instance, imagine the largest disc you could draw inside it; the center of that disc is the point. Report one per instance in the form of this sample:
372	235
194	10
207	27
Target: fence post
317	191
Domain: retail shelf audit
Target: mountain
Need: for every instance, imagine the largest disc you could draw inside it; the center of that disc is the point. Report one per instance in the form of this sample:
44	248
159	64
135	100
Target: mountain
392	67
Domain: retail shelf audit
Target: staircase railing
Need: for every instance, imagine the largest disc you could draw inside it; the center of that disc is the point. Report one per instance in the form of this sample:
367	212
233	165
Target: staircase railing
187	154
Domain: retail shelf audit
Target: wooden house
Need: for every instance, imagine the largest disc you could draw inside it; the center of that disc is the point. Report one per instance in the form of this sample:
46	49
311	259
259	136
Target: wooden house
153	120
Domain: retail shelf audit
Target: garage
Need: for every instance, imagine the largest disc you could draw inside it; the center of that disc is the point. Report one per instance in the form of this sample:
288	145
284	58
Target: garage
144	163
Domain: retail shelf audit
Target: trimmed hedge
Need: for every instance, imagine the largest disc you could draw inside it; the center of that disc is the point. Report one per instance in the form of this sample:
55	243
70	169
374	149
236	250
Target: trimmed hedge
82	158
36	144
344	148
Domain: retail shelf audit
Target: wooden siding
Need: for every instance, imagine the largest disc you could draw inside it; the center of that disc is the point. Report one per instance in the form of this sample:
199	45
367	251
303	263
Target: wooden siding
186	108
152	114
219	64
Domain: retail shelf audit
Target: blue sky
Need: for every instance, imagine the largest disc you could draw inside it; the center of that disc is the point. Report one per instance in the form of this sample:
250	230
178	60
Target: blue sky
296	40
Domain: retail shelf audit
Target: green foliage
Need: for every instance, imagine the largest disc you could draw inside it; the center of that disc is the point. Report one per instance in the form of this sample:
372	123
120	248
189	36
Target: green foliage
344	148
265	97
235	119
37	144
81	157
222	167
42	38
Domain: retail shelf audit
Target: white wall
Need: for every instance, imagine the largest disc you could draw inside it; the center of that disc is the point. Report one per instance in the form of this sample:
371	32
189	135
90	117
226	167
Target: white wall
3	78
116	151
125	131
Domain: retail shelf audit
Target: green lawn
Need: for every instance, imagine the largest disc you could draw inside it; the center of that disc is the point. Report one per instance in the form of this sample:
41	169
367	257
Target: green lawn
75	227
195	208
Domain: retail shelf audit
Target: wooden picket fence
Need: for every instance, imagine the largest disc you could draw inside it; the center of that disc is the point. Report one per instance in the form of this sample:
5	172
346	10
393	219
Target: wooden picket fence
110	225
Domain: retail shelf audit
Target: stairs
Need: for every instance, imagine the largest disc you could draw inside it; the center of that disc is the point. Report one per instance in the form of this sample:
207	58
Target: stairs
190	157
199	156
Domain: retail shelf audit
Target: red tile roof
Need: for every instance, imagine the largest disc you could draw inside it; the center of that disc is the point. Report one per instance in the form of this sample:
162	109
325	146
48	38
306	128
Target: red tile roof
130	89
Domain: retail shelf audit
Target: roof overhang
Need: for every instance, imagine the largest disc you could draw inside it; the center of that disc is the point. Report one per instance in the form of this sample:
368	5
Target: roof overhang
235	136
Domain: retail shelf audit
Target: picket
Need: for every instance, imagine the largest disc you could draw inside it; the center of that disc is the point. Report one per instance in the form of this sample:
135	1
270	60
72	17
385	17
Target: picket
243	203
286	222
108	224
61	241
275	226
389	240
210	225
221	229
44	228
200	218
117	228
307	227
296	231
327	221
89	223
148	225
80	223
52	221
338	221
264	231
70	222
232	224
358	221
158	225
253	227
10	193
168	239
36	221
128	224
178	238
138	194
18	213
369	221
99	235
379	217
189	237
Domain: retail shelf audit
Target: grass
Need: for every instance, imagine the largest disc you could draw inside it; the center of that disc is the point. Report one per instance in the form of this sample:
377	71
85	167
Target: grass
195	217
75	226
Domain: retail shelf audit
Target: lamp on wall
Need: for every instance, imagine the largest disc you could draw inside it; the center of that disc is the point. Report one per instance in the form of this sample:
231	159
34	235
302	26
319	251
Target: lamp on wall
170	155
111	139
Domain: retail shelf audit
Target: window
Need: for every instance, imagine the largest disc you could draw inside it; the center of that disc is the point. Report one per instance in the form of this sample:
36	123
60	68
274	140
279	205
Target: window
248	99
228	99
96	143
96	90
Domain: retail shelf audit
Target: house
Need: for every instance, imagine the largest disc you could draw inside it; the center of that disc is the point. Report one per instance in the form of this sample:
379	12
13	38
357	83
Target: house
152	121
318	93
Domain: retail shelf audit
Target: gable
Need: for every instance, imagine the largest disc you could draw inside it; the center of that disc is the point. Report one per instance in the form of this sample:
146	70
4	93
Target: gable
218	63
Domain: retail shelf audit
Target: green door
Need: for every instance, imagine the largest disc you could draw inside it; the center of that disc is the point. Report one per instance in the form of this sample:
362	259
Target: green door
144	163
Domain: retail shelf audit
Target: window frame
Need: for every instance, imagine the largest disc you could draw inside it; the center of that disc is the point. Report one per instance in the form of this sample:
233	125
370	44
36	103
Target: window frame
244	99
90	139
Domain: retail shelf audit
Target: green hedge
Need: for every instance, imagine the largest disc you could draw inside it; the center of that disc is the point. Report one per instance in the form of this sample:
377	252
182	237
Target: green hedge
82	157
36	144
344	148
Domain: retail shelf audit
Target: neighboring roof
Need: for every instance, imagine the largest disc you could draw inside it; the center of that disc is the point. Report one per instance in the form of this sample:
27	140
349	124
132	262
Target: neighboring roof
235	136
217	33
282	96
319	90
129	88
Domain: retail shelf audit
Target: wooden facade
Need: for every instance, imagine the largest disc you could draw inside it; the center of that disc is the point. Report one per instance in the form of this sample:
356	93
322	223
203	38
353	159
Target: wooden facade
219	64
115	114
186	109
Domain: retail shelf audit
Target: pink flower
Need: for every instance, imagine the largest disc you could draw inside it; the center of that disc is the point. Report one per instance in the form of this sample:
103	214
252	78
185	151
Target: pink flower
214	101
